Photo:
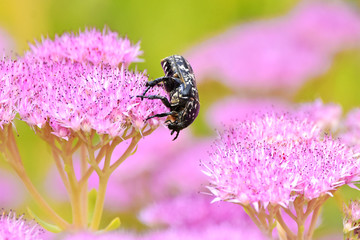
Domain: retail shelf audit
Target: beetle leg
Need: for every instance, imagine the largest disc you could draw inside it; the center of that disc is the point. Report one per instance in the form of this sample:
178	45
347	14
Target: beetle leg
162	79
155	82
162	115
162	98
177	134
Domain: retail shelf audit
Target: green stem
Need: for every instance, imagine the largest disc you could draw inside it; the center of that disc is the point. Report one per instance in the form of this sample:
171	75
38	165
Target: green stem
103	179
299	205
99	204
13	156
126	154
75	190
315	216
84	187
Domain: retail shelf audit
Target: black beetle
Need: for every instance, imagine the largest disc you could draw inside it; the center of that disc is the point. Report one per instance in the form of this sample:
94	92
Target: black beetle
179	82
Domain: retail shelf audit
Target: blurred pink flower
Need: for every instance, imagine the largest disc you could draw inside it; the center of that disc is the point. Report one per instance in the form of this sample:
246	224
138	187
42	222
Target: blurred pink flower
12	190
223	113
276	157
101	236
328	25
158	170
74	96
215	232
278	54
194	211
351	128
90	46
16	228
326	116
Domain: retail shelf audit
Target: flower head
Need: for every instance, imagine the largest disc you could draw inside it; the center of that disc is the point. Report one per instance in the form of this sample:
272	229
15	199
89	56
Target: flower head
75	96
7	92
275	157
16	228
90	46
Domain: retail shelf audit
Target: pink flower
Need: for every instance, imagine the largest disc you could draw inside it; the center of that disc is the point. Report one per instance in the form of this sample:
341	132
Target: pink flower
158	170
278	54
101	236
215	232
7	92
74	96
276	157
90	46
193	211
12	190
351	128
328	25
16	228
224	112
325	116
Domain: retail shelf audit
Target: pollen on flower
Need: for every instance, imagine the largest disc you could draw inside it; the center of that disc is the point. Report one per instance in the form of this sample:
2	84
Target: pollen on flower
91	46
74	96
14	227
275	157
7	92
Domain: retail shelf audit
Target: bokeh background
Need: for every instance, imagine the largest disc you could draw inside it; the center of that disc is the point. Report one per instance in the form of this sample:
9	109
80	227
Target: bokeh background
182	27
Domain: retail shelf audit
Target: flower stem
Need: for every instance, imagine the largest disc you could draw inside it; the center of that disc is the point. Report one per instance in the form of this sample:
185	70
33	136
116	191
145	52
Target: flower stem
282	223
99	204
104	177
13	156
84	187
315	216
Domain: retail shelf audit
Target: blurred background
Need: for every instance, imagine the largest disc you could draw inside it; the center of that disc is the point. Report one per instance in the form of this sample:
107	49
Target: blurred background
244	53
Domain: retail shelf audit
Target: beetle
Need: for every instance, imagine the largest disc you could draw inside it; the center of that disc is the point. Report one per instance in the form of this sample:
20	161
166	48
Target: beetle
179	82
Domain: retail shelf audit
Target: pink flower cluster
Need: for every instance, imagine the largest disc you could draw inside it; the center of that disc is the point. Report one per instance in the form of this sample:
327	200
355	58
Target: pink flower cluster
16	228
74	83
8	92
75	96
275	157
282	53
91	46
